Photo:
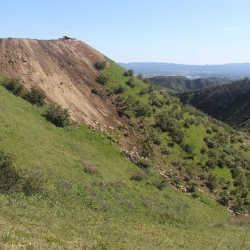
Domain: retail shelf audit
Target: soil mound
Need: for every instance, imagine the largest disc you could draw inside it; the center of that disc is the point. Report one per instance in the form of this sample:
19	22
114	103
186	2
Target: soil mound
65	70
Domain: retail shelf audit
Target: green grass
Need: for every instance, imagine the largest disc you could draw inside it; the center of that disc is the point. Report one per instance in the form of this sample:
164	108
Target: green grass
224	173
83	210
193	135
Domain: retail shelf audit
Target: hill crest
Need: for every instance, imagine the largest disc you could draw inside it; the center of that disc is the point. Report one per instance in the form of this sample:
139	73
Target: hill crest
65	70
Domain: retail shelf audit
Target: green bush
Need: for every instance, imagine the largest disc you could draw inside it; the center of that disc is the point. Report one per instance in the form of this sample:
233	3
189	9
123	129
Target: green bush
144	91
129	72
140	76
33	182
12	180
143	163
177	136
138	176
131	82
100	65
88	168
203	150
189	148
9	176
160	183
95	91
14	86
209	131
119	89
35	96
102	78
166	150
142	109
57	115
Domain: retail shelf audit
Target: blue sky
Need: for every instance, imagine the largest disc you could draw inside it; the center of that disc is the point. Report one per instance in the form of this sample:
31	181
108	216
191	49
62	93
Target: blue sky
172	31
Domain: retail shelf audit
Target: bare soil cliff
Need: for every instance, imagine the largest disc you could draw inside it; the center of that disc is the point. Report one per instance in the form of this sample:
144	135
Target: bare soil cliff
65	70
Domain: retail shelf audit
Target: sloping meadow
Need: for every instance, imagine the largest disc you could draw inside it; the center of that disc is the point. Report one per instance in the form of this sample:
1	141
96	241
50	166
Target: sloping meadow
87	196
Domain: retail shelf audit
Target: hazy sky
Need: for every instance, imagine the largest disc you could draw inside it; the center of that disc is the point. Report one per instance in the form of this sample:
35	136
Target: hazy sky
172	31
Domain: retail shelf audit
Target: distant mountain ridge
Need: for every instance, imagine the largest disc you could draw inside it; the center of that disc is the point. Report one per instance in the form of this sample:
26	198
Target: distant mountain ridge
231	70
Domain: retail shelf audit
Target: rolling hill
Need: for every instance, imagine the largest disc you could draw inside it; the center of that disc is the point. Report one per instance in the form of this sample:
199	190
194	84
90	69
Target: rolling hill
227	102
181	83
152	173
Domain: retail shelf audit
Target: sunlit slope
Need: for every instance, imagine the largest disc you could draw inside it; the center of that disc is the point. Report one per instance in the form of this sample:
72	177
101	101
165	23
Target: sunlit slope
90	198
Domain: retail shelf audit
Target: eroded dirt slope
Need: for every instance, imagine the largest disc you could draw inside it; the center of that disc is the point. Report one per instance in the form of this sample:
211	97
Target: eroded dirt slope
64	70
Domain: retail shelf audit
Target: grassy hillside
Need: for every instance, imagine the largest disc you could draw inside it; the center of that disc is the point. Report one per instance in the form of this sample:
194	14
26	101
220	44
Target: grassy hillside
181	83
90	196
227	102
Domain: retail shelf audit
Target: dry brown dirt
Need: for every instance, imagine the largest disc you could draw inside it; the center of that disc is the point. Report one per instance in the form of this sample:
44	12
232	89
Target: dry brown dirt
65	70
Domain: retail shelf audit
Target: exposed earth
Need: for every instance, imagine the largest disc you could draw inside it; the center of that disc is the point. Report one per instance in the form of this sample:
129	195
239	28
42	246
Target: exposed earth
65	70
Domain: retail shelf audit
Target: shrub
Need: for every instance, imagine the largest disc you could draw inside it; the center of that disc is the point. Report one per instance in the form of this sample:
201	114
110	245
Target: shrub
160	183
129	72
203	150
35	96
131	82
88	168
138	176
102	78
212	181
215	128
166	150
14	86
56	115
119	89
95	91
193	189
100	65
209	131
144	91
143	109
143	163
9	176
210	142
189	148
140	76
33	182
12	180
157	102
146	80
155	138
177	136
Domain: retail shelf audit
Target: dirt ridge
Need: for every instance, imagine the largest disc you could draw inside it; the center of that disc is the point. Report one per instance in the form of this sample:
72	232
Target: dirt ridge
65	70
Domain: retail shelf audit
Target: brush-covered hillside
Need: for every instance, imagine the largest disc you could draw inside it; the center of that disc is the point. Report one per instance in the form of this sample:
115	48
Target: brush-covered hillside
164	177
229	102
181	83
